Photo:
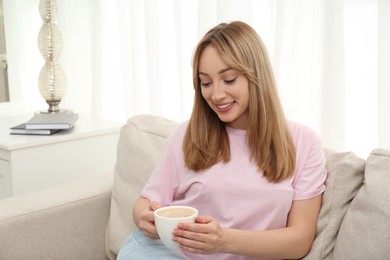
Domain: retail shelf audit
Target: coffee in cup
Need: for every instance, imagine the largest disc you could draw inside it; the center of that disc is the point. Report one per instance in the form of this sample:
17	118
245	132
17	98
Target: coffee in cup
167	218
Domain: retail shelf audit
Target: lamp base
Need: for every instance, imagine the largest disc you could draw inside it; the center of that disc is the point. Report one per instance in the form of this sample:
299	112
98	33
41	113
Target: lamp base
54	108
60	111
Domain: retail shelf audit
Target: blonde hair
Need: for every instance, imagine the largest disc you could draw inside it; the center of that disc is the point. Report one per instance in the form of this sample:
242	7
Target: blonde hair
206	141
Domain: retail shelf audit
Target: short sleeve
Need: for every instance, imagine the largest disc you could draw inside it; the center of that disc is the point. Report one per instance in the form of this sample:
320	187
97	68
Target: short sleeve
309	180
163	183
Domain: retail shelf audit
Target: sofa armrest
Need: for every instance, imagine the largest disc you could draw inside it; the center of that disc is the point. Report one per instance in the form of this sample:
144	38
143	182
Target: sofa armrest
63	222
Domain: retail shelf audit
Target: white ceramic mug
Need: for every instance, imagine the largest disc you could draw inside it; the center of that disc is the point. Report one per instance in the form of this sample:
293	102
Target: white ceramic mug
167	218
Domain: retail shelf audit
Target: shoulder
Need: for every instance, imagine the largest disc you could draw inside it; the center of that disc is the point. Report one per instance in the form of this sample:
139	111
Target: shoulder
180	130
310	173
302	134
307	142
177	135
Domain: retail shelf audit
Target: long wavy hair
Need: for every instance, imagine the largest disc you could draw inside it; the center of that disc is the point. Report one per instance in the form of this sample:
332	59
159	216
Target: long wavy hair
206	141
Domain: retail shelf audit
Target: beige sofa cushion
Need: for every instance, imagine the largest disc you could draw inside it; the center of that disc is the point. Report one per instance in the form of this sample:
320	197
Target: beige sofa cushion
140	144
345	177
57	222
365	231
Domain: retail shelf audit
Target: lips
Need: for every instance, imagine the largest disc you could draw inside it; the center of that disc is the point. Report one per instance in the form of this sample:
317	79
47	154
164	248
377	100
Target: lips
224	107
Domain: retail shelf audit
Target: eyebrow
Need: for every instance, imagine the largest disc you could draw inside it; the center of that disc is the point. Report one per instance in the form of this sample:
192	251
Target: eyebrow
219	72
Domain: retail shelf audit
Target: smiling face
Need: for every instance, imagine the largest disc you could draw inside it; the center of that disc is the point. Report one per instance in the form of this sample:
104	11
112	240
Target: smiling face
225	90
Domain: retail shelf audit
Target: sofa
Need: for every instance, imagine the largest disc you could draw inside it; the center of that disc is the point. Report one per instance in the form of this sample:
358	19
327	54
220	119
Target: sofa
90	219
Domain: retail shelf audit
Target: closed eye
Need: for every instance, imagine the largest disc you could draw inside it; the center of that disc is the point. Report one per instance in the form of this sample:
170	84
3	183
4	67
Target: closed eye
230	81
206	84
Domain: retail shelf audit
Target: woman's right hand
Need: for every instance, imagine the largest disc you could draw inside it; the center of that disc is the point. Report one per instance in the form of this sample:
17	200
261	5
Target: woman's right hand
146	220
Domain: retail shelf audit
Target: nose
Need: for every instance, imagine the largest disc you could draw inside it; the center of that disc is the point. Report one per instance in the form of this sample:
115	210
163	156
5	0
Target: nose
218	92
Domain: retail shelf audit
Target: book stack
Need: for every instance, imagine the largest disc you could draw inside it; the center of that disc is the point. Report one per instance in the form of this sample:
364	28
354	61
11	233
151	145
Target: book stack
46	124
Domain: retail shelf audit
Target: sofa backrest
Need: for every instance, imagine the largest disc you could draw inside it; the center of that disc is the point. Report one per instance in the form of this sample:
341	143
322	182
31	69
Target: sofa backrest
140	143
365	230
338	232
345	178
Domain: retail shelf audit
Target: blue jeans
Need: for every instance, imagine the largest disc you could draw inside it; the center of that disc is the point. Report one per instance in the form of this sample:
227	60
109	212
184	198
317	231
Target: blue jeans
137	247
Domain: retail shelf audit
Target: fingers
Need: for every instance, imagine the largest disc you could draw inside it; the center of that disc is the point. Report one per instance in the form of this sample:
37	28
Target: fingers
196	242
199	228
149	230
148	213
204	219
203	237
204	226
155	205
147	225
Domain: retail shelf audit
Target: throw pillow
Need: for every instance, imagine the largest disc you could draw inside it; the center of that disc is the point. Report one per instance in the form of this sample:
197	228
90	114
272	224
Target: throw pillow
365	231
345	178
140	143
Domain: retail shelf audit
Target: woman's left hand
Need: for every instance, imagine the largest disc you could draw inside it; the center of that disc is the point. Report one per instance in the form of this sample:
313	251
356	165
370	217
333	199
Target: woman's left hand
205	236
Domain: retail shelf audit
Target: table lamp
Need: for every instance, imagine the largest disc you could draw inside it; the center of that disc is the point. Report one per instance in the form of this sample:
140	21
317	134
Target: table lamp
51	80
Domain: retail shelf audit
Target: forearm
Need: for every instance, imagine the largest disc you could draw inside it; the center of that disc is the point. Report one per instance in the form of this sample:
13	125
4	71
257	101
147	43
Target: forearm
285	243
291	242
206	236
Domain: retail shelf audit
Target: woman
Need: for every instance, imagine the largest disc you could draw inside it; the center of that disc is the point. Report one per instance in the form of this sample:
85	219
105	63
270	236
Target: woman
256	178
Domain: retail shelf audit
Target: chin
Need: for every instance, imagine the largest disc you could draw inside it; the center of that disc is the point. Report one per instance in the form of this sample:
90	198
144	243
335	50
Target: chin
226	121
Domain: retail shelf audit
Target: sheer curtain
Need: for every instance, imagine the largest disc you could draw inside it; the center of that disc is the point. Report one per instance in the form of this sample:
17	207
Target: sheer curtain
125	57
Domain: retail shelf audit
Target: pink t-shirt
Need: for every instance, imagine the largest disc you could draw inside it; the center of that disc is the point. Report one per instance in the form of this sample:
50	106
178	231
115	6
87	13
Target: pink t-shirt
235	193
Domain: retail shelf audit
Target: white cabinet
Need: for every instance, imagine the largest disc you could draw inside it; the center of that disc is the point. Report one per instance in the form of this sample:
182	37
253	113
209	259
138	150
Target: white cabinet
30	162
